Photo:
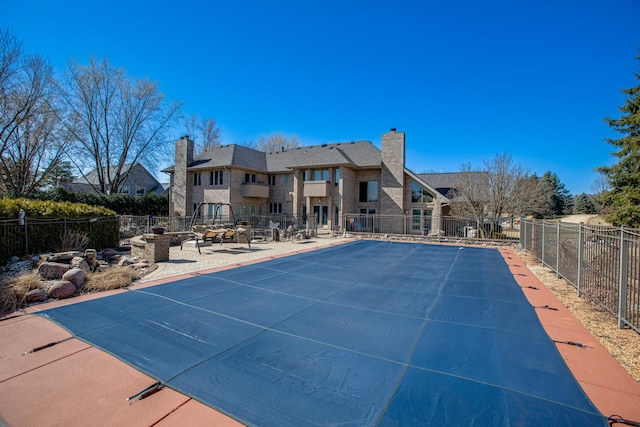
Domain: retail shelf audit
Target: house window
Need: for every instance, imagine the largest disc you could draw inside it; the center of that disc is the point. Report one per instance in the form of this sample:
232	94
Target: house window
139	191
304	176
421	221
337	177
321	174
368	191
197	178
419	194
249	177
215	178
213	207
124	189
285	179
271	179
245	211
275	208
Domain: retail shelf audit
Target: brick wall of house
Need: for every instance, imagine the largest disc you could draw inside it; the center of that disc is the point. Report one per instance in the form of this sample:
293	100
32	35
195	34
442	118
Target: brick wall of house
349	189
279	193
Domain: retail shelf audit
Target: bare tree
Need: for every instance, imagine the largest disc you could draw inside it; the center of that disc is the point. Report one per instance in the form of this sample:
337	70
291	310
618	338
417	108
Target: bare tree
116	121
503	187
205	133
275	142
31	141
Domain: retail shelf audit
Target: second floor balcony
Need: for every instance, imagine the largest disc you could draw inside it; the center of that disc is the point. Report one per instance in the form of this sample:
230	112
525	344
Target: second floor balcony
317	188
255	189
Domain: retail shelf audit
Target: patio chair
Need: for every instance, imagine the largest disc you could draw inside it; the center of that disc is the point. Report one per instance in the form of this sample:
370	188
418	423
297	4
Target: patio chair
230	234
200	234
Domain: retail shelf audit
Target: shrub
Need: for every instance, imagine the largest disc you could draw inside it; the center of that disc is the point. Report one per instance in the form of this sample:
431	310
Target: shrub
114	278
13	291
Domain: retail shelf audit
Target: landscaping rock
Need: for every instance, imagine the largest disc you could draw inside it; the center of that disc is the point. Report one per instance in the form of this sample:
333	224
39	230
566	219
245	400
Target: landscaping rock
36	295
139	265
76	276
18	268
52	270
63	256
62	289
125	260
91	256
107	253
81	263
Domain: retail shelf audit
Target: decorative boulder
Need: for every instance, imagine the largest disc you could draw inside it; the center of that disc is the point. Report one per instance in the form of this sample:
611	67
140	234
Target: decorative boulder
91	256
81	263
36	295
62	289
76	276
124	261
63	256
109	252
52	270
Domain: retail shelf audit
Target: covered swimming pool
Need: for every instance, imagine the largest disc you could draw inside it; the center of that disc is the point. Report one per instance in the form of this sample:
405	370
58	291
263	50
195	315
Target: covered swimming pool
365	333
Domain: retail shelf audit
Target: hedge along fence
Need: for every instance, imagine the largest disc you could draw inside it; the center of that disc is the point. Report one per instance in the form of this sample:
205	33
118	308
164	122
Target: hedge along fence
46	224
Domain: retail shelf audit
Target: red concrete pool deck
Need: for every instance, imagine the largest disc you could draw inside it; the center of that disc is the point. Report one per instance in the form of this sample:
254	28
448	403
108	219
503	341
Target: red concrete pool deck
75	384
611	389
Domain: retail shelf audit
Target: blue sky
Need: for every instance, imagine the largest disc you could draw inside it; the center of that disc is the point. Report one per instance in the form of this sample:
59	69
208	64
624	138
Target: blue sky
465	80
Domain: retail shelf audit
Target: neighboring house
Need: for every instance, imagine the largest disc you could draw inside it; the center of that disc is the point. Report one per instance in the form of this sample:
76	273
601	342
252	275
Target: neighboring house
139	181
445	183
328	181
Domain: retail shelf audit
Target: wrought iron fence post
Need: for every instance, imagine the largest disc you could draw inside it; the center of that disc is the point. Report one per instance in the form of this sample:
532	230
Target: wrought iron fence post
543	242
26	236
558	251
622	279
580	256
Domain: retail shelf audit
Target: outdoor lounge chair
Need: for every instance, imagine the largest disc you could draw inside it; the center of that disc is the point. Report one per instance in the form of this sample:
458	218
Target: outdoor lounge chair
198	234
229	234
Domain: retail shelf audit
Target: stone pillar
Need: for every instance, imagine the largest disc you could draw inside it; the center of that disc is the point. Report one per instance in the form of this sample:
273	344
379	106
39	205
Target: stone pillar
180	195
156	248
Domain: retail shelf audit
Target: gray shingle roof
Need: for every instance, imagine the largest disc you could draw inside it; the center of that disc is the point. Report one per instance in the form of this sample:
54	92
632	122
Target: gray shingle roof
361	154
446	182
229	155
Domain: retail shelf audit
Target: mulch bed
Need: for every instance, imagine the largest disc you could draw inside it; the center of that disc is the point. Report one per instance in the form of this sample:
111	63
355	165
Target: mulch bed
622	344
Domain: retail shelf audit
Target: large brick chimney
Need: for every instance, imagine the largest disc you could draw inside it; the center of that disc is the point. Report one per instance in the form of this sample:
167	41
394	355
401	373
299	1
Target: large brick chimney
392	173
180	186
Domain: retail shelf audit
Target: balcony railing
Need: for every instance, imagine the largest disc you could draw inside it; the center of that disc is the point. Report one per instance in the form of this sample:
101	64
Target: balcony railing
317	188
255	189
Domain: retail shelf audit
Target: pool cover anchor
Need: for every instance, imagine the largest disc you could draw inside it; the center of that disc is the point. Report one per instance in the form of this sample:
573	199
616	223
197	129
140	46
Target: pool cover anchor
152	389
47	345
577	344
617	419
546	307
13	316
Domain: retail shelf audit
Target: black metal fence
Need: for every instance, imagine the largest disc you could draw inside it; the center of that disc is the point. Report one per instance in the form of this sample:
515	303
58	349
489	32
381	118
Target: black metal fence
601	262
33	236
447	227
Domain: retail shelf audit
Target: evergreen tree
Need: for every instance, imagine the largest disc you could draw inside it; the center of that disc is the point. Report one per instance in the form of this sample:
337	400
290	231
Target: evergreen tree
559	199
624	177
584	205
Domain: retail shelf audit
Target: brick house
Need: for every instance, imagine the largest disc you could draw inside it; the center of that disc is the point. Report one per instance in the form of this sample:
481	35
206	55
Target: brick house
139	181
327	181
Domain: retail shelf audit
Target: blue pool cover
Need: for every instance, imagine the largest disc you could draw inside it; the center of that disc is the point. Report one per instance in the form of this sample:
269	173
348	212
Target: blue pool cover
361	334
